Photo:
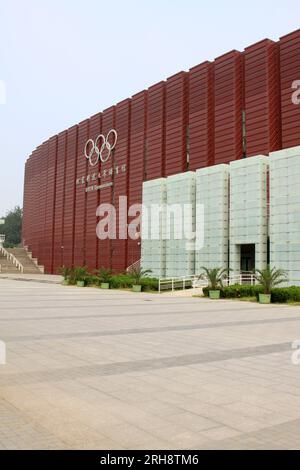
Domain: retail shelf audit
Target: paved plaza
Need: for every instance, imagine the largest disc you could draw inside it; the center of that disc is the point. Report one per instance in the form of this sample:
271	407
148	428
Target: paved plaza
94	369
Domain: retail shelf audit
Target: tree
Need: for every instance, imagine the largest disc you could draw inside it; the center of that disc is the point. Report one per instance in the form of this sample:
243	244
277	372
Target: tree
12	228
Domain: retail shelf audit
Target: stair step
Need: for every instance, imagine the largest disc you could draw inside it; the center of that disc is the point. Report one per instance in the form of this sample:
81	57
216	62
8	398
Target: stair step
30	267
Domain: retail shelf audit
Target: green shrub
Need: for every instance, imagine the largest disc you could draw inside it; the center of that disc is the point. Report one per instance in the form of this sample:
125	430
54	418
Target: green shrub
126	281
9	245
294	293
64	272
92	280
236	291
205	291
72	277
278	294
117	281
103	275
285	294
149	283
80	273
68	274
121	281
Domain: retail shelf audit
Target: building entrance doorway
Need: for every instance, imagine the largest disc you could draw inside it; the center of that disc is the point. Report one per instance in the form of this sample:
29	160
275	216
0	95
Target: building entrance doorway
247	258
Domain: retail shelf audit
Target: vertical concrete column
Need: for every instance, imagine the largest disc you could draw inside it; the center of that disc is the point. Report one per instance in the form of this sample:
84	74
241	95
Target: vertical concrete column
153	227
285	212
212	192
180	224
248	210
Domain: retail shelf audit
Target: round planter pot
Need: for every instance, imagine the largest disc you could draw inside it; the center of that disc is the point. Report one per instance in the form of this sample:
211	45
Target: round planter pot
137	288
80	283
65	282
264	298
214	294
104	285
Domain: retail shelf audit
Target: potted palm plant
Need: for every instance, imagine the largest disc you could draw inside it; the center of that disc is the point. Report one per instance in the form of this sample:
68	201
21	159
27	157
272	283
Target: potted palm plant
104	276
269	278
81	275
137	274
215	278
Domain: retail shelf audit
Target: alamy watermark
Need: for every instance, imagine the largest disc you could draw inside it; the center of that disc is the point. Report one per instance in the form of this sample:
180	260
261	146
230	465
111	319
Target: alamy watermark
152	222
2	92
296	93
296	354
2	353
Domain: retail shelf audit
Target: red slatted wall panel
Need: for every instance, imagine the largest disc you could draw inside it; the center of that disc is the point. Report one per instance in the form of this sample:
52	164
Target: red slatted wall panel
176	123
201	116
262	102
120	178
26	201
136	164
105	246
228	107
28	206
43	256
35	194
80	206
92	199
59	202
155	145
290	72
70	193
50	204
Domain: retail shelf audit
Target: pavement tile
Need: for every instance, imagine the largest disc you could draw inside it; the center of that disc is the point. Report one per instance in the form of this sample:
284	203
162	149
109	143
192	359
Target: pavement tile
91	369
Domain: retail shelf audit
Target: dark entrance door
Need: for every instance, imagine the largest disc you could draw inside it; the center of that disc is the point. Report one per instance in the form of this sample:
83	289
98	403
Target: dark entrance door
247	258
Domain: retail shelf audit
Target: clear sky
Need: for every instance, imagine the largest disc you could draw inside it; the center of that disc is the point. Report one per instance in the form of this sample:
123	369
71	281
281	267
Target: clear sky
64	60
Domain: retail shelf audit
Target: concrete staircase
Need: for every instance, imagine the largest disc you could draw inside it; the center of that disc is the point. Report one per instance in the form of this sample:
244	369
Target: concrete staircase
29	264
7	266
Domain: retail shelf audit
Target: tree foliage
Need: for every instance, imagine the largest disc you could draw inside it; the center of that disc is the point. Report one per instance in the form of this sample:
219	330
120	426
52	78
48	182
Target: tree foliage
12	228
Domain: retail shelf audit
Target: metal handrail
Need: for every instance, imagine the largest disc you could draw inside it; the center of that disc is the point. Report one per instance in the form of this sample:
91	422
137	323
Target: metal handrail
185	281
11	257
240	279
195	281
133	266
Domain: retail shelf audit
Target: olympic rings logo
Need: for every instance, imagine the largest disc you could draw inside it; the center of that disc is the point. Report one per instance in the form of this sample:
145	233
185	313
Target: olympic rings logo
94	151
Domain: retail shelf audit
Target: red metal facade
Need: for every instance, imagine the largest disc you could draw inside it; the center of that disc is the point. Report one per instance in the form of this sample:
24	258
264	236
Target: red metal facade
156	131
80	196
59	201
136	169
106	195
176	123
50	189
239	105
228	86
289	72
201	116
91	241
262	98
70	194
120	186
